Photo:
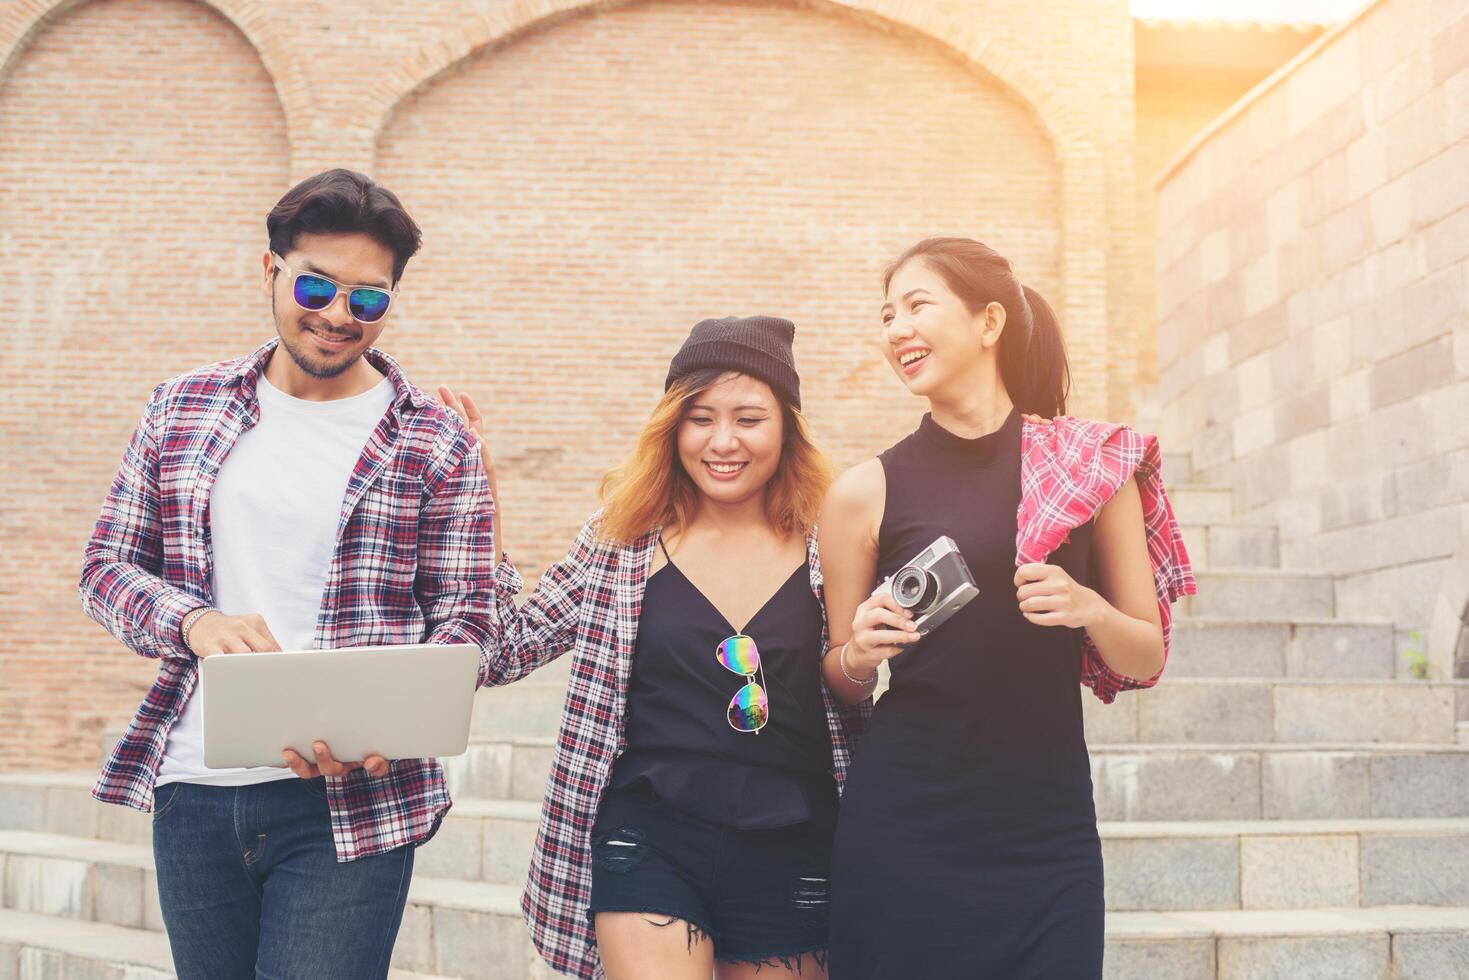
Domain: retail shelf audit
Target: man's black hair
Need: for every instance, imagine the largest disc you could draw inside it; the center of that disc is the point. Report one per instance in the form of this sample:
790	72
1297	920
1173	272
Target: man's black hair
340	202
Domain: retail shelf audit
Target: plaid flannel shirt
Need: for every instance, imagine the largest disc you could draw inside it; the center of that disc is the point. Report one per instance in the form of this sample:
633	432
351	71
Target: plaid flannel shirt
1069	468
411	565
590	603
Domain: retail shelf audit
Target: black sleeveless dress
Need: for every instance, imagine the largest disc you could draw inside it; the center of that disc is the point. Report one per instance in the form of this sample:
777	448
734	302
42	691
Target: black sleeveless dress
966	843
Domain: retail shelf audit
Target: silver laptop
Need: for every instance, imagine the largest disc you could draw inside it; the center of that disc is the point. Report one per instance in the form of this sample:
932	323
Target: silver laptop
400	702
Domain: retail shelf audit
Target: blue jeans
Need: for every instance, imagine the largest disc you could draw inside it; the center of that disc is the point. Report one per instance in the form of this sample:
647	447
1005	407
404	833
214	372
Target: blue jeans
250	887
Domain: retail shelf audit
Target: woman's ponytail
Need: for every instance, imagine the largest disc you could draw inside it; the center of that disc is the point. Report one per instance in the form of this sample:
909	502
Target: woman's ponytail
1044	373
1032	355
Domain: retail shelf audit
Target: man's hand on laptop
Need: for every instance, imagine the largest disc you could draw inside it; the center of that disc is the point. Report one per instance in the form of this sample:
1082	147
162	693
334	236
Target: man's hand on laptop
217	633
326	765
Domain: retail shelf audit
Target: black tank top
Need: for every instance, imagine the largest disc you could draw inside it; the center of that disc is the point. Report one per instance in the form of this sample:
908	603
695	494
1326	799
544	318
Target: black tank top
991	695
679	739
967	844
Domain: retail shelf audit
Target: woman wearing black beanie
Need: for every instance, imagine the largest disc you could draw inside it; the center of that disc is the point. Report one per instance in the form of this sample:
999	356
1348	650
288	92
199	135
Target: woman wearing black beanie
687	824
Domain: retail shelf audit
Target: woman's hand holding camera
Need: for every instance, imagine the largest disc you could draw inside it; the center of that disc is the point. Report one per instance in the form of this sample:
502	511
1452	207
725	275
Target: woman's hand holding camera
880	630
1049	596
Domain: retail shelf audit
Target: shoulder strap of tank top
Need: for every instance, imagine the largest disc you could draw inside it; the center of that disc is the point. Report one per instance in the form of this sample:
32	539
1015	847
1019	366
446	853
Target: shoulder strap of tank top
666	556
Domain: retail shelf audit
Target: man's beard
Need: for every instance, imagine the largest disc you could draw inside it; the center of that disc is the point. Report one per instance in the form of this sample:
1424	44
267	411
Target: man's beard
314	366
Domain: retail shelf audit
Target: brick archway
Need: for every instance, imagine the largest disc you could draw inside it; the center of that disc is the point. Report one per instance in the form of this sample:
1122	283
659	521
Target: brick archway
22	20
517	17
1084	229
203	155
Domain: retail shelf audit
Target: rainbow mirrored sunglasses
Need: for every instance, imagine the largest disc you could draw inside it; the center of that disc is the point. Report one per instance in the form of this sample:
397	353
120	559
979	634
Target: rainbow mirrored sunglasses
315	292
749	709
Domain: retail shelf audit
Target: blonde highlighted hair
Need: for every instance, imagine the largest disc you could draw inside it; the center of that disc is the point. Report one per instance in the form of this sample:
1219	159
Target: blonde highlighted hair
652	490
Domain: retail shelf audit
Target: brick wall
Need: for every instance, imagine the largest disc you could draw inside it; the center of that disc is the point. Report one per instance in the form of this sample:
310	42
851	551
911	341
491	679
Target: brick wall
133	185
1313	286
712	191
592	178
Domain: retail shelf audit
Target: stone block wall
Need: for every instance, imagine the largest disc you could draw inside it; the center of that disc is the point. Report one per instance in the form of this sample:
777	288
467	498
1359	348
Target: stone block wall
1187	75
1313	294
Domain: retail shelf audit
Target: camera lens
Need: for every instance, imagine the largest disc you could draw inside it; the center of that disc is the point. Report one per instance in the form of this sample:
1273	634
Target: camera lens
914	588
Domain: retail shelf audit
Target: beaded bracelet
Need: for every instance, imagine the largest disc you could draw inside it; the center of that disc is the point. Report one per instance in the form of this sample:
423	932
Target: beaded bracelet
189	622
842	664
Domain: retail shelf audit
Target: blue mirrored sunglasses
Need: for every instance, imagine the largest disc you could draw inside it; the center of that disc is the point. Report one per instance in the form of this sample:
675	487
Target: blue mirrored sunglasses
315	292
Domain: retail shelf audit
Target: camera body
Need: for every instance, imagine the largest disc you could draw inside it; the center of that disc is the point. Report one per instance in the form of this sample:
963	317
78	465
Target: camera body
933	586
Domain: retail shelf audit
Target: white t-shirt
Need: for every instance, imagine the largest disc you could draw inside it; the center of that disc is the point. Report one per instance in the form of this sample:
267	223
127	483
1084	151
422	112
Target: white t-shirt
273	516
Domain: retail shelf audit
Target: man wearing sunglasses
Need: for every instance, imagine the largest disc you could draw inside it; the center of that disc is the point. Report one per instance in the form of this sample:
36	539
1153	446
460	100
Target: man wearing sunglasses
303	496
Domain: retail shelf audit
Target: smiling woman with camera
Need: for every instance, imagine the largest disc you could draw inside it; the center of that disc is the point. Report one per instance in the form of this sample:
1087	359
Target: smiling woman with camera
1015	551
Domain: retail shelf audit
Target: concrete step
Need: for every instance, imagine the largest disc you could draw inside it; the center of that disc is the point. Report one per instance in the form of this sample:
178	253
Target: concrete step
514	768
1179	709
450	928
1158	781
43	947
61	803
1260	593
1235	710
34	946
1280	864
483	840
1306	944
1307	648
473	930
1232	545
1404	942
530	707
1157	866
1151	866
468	929
1203	646
1199	503
1170	781
1275	781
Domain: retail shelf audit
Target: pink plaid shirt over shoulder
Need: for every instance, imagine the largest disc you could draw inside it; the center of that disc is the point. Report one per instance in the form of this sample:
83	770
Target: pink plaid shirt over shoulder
1069	468
411	565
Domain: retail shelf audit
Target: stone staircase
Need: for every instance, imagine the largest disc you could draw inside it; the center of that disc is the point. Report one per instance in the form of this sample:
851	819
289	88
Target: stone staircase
1287	803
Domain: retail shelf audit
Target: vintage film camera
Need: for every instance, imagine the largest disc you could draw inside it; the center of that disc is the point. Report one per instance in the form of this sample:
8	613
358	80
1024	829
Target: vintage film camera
933	586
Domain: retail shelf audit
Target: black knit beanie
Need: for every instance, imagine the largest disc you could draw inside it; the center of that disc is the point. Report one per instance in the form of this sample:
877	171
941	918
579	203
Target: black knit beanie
759	346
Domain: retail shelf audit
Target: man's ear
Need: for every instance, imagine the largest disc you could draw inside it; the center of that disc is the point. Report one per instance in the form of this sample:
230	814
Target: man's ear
993	326
267	284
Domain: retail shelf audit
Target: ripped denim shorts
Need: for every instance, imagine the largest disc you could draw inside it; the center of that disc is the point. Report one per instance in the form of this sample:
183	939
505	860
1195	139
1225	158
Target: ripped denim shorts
761	896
